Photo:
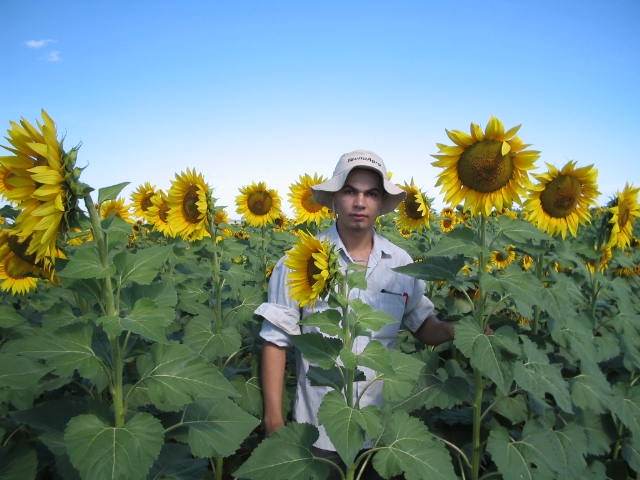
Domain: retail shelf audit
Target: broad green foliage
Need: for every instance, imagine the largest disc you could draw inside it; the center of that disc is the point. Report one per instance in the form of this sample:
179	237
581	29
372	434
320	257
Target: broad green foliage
143	362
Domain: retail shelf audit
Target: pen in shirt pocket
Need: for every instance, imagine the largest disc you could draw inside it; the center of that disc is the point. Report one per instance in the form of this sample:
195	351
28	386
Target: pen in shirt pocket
405	294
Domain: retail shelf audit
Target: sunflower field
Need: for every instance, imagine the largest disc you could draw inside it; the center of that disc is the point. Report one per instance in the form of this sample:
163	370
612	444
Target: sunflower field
129	347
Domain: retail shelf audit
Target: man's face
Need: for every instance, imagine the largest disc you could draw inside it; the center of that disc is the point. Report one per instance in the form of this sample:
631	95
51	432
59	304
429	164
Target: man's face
358	203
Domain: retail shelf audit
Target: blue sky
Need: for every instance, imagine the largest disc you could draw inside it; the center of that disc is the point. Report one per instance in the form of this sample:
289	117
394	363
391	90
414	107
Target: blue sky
248	91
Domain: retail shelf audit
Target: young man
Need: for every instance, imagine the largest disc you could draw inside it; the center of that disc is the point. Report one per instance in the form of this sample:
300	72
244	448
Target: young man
358	193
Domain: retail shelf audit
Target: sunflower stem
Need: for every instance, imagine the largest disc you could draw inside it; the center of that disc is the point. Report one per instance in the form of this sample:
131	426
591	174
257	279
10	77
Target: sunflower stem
119	410
348	339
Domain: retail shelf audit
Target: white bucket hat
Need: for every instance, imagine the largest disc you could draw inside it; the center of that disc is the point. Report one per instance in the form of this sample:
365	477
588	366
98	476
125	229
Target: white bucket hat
323	192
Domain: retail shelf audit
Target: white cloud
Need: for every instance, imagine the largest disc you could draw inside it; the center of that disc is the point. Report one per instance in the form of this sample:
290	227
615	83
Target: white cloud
38	43
53	56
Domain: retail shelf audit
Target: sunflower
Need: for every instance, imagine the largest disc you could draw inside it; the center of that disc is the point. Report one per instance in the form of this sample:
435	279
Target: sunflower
314	268
258	204
527	261
41	180
115	207
485	170
448	219
220	217
305	208
502	258
158	213
141	200
561	201
414	211
19	273
623	213
190	204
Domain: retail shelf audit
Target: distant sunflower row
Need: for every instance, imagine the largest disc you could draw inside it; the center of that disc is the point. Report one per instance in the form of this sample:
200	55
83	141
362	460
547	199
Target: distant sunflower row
484	172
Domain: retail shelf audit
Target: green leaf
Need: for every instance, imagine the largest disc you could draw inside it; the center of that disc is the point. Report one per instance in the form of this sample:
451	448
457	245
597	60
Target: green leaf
537	376
591	391
146	319
200	337
440	388
522	232
100	451
66	350
406	368
328	321
410	448
626	406
143	266
285	454
250	398
318	349
434	268
631	452
20	373
508	455
460	241
484	356
176	376
523	288
368	318
85	263
18	462
217	427
377	357
9	317
176	462
111	192
344	425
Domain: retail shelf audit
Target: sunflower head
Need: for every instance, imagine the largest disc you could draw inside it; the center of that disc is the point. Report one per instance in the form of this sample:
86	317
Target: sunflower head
190	206
305	207
414	211
622	213
314	269
484	170
141	200
502	258
258	205
41	180
560	202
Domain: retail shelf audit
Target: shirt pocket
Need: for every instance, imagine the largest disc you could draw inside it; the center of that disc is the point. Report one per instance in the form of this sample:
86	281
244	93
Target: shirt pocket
392	304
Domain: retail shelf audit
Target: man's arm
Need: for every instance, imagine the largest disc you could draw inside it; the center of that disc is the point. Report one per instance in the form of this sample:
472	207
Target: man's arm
273	367
434	331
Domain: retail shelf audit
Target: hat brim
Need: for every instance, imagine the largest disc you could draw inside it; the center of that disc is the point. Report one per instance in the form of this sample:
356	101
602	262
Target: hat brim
323	192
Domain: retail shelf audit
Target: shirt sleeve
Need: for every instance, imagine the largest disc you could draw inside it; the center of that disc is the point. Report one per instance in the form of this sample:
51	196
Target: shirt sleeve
281	315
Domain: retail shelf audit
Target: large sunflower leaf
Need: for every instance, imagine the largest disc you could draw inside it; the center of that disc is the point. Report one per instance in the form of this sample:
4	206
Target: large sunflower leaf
368	318
344	425
434	268
318	349
176	376
84	264
111	192
9	317
435	388
377	357
524	288
287	454
146	319
18	462
406	369
200	337
217	427
537	376
100	451
509	456
591	391
460	241
66	349
20	373
410	448
328	321
142	266
483	354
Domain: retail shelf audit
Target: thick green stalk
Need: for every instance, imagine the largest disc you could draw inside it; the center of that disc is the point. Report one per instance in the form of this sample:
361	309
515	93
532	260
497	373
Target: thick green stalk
477	422
110	310
347	339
